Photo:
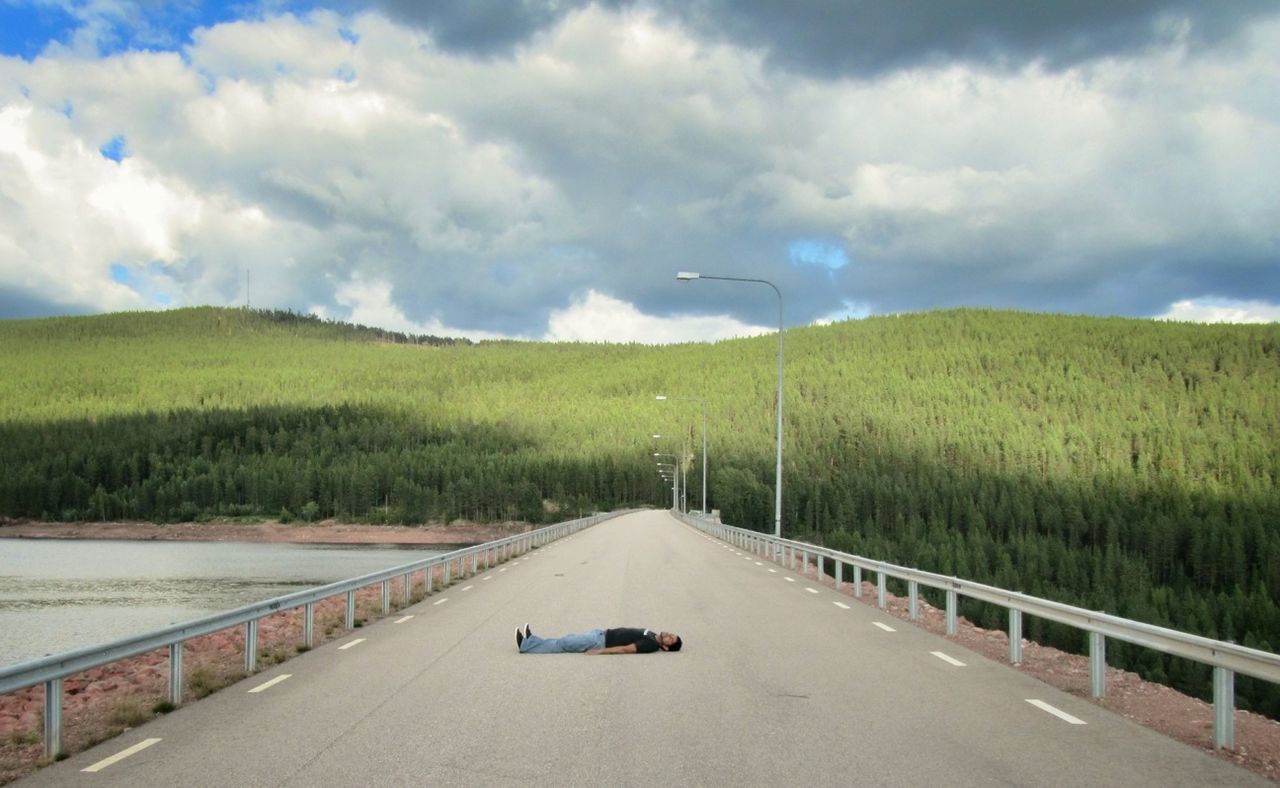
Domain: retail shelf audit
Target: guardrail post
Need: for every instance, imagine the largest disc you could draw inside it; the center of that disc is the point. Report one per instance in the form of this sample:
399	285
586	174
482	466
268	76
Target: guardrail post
880	589
408	587
386	597
912	589
821	564
1224	708
426	581
474	559
250	645
839	573
857	580
308	624
351	610
175	673
444	581
951	611
1097	664
53	718
1015	636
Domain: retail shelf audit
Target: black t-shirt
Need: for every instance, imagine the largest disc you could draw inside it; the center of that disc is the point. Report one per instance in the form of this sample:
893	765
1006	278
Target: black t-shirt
646	640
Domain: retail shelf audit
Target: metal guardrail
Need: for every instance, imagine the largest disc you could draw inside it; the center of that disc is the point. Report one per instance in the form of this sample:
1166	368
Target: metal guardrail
52	669
1227	659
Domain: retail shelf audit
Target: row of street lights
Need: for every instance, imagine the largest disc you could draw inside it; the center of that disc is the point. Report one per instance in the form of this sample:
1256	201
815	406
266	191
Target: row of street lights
686	276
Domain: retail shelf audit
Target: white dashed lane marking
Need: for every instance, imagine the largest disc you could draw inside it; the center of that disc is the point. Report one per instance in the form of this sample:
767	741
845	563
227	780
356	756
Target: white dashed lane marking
947	659
120	756
1059	713
266	685
403	619
789	579
841	605
355	642
811	590
774	571
885	627
441	602
467	588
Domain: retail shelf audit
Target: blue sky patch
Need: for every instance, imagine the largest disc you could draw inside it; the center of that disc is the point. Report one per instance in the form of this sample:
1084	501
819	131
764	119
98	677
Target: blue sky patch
819	253
115	148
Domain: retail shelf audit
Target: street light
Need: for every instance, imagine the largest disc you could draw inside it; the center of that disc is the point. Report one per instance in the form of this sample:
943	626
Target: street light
675	486
688	276
702	408
683	476
675	480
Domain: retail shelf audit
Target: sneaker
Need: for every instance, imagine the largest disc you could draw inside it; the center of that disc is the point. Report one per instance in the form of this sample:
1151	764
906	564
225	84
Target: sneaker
519	637
528	632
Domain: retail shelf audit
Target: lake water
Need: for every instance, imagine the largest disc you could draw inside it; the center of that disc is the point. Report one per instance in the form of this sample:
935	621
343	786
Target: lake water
57	595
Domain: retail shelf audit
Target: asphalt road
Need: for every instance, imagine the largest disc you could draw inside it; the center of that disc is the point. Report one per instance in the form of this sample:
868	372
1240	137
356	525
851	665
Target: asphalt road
776	684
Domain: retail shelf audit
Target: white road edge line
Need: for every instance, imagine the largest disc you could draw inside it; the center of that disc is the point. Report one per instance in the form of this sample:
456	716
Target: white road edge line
355	642
402	619
885	627
269	684
120	756
441	602
947	659
841	605
1059	713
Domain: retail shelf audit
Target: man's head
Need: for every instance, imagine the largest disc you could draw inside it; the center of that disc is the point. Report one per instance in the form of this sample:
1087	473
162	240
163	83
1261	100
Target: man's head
669	641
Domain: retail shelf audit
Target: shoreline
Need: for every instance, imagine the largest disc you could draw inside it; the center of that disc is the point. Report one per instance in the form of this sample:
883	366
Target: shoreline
324	532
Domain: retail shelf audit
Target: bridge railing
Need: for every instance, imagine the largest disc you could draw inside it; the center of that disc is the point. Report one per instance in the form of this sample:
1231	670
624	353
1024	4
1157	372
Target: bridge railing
51	670
1227	659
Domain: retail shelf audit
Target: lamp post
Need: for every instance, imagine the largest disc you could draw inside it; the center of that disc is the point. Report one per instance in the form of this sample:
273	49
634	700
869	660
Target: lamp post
687	276
680	470
703	410
675	479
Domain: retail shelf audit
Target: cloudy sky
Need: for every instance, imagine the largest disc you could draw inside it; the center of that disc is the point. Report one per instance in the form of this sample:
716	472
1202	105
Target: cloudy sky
542	169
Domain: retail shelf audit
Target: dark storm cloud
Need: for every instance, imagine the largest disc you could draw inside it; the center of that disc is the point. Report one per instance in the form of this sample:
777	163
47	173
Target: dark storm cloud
841	38
484	27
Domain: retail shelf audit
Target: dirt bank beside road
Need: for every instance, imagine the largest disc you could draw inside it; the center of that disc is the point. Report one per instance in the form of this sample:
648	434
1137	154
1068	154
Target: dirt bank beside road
325	532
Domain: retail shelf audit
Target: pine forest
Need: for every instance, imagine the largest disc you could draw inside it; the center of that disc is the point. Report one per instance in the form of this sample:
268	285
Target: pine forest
1129	466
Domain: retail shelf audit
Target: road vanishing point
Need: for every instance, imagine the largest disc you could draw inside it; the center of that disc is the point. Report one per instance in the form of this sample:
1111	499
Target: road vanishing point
780	682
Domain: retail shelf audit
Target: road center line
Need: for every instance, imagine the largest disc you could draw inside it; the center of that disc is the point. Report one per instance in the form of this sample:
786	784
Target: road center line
355	642
885	627
841	605
402	619
120	756
1059	713
269	684
947	659
441	602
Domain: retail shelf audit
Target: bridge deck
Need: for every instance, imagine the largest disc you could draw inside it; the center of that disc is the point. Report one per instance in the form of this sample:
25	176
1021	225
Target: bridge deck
776	684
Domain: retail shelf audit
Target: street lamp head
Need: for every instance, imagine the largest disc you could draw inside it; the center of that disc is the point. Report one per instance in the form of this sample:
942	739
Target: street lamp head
687	276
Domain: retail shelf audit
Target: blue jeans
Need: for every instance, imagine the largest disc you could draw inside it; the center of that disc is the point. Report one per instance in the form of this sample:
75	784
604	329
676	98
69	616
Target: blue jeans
565	644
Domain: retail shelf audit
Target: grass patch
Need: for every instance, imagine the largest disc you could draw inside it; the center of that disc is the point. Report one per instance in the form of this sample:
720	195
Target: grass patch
128	713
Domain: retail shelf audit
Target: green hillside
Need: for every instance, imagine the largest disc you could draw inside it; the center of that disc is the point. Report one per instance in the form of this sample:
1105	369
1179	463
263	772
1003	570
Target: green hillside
1124	465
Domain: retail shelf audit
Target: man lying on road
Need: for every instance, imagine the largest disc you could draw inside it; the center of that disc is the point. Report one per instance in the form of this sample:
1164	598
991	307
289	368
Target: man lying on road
623	640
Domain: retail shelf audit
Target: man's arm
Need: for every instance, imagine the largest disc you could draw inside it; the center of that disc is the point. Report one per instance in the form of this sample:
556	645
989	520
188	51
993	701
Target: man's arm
628	649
